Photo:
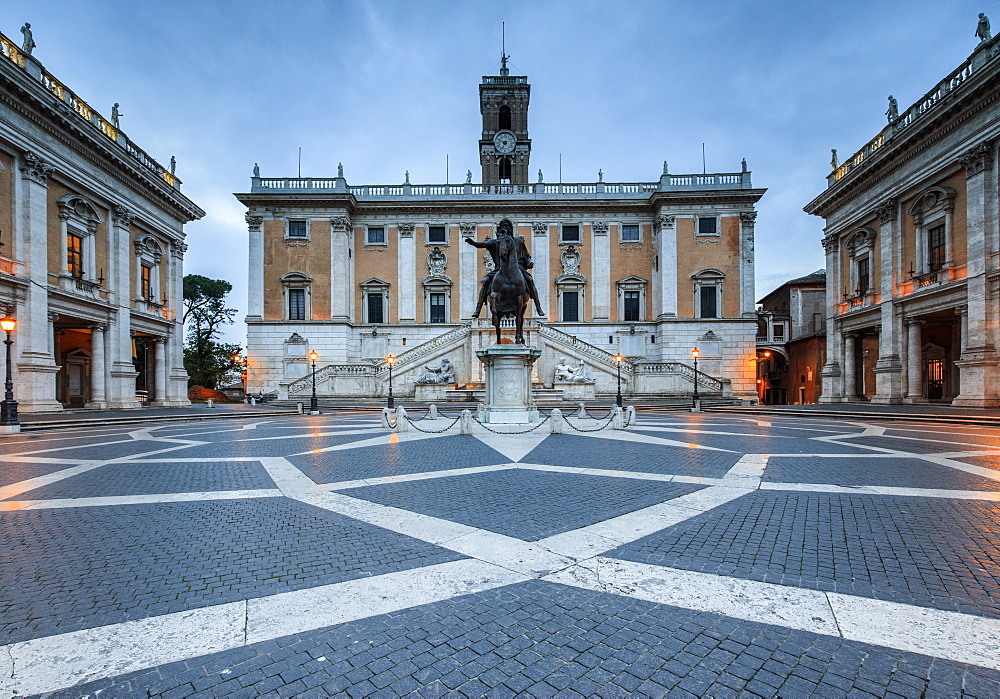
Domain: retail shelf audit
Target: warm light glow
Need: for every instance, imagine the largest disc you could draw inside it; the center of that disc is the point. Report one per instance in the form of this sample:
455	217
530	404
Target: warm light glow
767	355
8	324
619	358
237	359
314	355
695	353
390	359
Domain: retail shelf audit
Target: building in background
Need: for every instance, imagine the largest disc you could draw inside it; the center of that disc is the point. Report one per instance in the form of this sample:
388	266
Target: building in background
91	251
791	341
649	269
913	249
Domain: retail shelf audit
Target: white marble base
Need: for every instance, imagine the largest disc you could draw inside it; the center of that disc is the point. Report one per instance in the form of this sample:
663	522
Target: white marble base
508	384
576	391
432	391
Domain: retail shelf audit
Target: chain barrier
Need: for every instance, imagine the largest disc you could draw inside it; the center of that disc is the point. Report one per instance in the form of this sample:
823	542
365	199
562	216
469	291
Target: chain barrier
594	417
532	429
418	429
596	429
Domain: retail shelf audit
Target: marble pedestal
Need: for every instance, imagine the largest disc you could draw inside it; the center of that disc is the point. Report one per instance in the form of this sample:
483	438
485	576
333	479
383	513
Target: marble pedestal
430	392
576	391
508	384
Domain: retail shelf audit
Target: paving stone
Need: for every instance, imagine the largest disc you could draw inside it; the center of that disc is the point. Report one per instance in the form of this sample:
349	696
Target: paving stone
899	473
750	444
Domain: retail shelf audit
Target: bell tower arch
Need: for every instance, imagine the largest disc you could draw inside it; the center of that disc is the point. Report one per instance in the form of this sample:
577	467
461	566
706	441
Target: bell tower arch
504	148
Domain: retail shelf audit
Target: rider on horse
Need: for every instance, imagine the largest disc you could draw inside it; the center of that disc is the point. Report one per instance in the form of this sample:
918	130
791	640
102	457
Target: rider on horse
523	260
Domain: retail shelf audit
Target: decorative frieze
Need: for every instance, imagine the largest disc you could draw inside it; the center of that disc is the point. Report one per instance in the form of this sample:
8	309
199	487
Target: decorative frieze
599	228
36	169
978	159
887	211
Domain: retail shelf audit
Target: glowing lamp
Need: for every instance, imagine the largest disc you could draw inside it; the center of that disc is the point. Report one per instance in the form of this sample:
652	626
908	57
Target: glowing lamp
8	324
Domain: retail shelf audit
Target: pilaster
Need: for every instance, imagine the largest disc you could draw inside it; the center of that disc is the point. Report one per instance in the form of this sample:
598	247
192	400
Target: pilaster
540	256
255	280
666	253
748	303
889	367
405	288
831	375
600	270
341	287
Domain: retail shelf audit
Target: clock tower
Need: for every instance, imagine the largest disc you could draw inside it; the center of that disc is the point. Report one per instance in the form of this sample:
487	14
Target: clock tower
504	147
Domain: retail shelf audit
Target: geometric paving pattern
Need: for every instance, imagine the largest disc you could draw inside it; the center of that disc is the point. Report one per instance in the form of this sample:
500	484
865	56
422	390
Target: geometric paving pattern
693	554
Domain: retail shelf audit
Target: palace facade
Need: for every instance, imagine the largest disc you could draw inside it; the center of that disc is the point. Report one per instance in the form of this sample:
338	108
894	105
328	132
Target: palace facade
913	250
91	251
356	273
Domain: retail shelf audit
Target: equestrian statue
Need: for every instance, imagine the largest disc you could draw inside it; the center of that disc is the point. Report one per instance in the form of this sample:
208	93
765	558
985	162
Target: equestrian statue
509	287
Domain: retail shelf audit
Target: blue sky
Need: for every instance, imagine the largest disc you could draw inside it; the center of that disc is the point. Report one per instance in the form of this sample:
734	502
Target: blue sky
385	87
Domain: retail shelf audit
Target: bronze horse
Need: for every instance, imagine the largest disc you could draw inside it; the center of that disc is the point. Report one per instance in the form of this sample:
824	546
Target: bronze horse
509	292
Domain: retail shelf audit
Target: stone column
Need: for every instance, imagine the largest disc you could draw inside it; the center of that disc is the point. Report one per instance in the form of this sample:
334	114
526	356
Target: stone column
98	375
341	289
666	252
979	382
748	302
255	280
177	389
160	377
120	390
831	375
35	383
468	281
600	270
889	367
914	362
850	371
406	284
540	256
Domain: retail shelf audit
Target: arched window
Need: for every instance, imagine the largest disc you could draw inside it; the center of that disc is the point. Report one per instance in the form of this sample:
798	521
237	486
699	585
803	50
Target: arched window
505	170
505	118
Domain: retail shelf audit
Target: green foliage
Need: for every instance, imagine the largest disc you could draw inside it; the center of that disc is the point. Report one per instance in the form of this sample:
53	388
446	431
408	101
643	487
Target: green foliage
208	361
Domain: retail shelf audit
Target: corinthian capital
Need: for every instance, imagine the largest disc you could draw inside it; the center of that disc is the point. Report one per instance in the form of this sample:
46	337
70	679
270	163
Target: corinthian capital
36	169
662	222
831	243
886	211
340	224
599	228
978	159
122	216
254	221
748	218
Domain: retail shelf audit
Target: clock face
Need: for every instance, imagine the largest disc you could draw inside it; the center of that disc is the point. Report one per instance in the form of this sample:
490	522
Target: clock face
504	142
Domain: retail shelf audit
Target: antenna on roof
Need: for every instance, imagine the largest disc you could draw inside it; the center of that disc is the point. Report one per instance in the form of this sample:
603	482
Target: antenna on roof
503	50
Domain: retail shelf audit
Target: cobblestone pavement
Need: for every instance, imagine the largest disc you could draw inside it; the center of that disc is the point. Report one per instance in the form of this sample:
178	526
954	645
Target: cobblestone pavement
690	555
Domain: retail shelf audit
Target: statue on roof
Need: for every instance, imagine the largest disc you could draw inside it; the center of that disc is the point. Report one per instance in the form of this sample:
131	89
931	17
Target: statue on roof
540	180
173	165
468	177
983	28
115	115
340	170
834	161
256	170
892	113
29	41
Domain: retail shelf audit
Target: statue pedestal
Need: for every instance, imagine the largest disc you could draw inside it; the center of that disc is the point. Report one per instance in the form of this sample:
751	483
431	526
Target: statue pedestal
576	391
508	384
429	392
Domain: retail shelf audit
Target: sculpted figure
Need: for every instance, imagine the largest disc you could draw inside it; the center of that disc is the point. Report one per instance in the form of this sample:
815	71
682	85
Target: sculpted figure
582	375
441	374
468	177
893	111
28	45
256	170
565	372
834	162
115	115
983	28
509	288
173	165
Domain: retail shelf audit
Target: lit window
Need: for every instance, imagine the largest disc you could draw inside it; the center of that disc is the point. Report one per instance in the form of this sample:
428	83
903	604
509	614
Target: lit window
74	255
864	276
147	281
296	229
296	304
935	248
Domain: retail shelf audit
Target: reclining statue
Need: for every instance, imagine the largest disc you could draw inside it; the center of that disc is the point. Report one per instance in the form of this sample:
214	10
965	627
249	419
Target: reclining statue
445	373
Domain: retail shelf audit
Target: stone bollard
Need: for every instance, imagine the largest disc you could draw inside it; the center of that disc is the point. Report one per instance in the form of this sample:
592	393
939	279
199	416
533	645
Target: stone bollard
402	422
208	403
556	421
629	417
617	419
298	407
582	412
432	412
465	423
386	417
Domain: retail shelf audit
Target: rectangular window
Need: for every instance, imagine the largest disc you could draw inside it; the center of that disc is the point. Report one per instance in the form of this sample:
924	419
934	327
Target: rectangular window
375	314
296	304
74	255
436	234
707	226
779	331
630	233
631	305
864	276
146	281
571	234
571	306
296	229
437	308
709	301
935	248
376	236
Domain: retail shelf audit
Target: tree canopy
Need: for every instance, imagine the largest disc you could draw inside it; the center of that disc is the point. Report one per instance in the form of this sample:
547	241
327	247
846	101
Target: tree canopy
208	361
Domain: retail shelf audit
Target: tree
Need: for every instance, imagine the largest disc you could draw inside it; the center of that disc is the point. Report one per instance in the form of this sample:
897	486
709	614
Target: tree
208	361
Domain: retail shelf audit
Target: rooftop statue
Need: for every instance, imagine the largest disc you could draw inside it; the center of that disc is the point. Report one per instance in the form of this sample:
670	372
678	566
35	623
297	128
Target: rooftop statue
468	177
29	41
834	162
115	115
510	287
256	170
983	28
892	113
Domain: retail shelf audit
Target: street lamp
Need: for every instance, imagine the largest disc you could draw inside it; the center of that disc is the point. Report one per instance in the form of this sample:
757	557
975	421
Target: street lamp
314	403
241	361
618	363
390	360
8	407
695	397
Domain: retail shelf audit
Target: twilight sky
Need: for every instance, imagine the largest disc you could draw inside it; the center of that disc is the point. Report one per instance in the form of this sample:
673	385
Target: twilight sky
385	87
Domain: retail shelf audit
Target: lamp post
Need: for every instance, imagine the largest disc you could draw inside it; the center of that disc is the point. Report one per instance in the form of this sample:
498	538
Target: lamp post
8	407
390	360
241	361
618	364
313	402
695	397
